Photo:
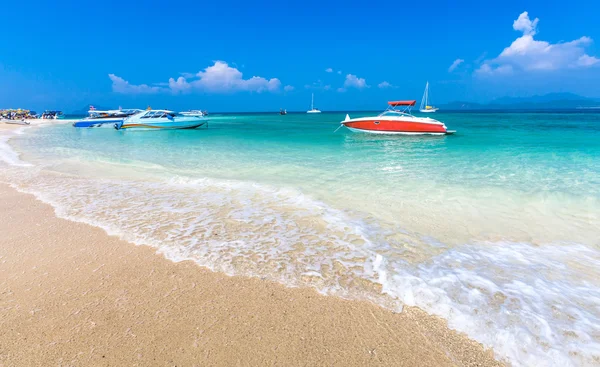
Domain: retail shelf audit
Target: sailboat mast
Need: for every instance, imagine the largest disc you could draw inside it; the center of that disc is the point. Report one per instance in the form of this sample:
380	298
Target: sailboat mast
312	102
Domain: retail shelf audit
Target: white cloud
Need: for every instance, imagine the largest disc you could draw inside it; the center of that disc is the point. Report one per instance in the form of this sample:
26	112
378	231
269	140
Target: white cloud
455	64
188	75
486	69
525	25
384	84
339	72
218	78
329	70
179	85
586	60
528	54
352	81
221	77
341	90
120	85
288	88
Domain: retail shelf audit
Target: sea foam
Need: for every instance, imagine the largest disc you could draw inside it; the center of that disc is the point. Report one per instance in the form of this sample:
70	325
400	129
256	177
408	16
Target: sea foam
535	305
7	154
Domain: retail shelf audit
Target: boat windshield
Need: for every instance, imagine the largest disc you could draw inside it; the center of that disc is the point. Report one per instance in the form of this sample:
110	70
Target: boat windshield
394	113
158	114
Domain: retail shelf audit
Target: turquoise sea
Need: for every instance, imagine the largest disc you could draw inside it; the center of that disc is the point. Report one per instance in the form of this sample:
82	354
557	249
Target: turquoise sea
495	228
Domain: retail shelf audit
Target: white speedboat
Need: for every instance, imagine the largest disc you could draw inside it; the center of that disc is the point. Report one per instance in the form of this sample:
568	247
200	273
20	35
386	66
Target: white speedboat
160	119
193	113
106	118
397	121
425	107
312	106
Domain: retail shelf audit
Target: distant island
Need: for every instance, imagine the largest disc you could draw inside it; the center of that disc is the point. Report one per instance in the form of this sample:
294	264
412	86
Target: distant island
543	102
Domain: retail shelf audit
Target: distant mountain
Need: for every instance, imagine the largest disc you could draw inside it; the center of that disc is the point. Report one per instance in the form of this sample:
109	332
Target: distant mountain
546	101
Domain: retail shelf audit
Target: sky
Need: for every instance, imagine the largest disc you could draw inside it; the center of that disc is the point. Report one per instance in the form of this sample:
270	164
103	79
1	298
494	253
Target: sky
263	56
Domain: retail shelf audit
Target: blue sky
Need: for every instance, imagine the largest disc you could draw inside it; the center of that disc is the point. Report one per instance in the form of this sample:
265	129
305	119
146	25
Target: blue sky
260	56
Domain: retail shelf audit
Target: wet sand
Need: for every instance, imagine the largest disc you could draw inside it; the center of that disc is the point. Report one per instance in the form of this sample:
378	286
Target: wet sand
72	295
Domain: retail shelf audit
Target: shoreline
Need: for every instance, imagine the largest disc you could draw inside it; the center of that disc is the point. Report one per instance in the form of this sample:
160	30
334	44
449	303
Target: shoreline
73	294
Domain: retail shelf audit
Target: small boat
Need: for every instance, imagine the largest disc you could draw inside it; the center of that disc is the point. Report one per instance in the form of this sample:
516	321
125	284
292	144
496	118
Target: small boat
16	122
106	118
194	113
425	107
159	120
397	121
312	106
283	111
52	115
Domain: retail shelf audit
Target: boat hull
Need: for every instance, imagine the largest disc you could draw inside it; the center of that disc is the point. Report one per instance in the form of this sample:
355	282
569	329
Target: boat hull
104	123
16	122
395	127
160	125
429	110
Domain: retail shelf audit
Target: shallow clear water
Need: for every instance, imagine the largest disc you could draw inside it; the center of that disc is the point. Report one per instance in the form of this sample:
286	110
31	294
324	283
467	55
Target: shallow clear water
495	228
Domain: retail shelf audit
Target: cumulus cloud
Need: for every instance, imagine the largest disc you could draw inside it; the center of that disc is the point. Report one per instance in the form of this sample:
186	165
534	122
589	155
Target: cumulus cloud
384	84
217	78
288	88
179	85
528	54
586	60
499	70
525	25
221	77
188	75
455	64
352	81
329	70
120	85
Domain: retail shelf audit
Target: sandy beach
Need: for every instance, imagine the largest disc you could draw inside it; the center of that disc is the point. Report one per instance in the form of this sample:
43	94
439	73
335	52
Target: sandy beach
72	295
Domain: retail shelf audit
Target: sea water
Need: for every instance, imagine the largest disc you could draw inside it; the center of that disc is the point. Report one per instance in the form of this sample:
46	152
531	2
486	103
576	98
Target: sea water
495	228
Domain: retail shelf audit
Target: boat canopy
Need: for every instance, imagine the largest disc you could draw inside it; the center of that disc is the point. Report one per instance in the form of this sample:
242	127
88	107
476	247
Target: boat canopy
402	103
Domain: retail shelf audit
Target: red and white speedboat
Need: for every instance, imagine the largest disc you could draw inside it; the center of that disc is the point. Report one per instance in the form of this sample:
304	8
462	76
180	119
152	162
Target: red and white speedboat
397	121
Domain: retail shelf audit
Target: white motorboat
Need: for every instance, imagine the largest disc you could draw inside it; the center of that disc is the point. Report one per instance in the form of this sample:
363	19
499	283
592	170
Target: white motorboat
160	119
193	113
107	118
397	121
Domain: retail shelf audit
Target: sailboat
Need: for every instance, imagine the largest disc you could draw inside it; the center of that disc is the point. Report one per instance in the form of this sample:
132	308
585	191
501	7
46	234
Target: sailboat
312	106
425	107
